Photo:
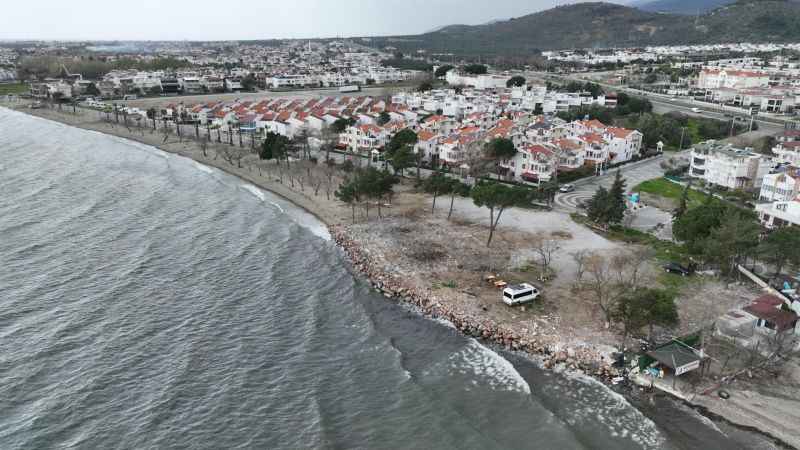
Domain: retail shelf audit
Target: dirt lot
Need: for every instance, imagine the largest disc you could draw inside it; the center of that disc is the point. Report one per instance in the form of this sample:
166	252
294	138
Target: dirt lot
450	259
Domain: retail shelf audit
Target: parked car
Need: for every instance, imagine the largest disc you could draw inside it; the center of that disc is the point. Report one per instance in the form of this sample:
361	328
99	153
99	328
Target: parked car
567	188
520	293
677	269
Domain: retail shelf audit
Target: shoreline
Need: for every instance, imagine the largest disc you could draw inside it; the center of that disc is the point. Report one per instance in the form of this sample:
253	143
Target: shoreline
485	330
589	362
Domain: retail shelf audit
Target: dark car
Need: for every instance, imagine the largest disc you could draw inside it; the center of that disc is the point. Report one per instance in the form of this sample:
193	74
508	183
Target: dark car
677	269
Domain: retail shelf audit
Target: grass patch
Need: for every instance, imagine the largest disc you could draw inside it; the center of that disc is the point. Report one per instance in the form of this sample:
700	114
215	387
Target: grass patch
450	284
13	88
665	251
674	284
667	189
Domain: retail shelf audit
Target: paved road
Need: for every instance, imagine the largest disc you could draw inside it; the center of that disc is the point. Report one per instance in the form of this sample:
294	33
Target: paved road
634	173
663	103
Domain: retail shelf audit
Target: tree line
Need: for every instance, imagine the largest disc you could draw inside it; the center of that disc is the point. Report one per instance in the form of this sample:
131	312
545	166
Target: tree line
40	67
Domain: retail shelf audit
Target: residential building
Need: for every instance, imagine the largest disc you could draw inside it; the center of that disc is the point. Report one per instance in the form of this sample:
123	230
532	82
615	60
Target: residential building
428	144
728	167
787	153
781	186
363	139
779	214
711	78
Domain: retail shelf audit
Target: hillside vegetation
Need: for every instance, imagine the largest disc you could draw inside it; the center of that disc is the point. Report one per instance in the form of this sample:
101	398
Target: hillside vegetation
602	25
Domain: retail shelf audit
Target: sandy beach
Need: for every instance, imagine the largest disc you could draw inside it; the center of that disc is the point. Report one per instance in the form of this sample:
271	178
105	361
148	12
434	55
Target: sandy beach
418	257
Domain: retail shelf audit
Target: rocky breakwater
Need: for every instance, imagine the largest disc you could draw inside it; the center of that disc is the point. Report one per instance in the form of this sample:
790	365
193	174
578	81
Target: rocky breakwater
553	354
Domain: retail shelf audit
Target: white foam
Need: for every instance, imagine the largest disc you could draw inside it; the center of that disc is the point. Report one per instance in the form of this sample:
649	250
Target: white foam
278	206
255	191
298	215
157	152
595	402
476	359
203	168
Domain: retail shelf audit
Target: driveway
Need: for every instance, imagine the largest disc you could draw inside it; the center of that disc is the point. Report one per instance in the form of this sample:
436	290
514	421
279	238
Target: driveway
633	173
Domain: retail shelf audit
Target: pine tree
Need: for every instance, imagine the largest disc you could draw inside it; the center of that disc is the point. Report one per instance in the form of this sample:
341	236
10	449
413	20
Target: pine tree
616	200
684	201
598	206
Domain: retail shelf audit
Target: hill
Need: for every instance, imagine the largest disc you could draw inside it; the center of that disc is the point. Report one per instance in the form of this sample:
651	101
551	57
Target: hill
688	7
603	25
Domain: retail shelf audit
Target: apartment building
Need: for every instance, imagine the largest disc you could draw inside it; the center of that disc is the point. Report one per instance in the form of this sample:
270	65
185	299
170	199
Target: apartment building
779	214
781	186
728	167
787	153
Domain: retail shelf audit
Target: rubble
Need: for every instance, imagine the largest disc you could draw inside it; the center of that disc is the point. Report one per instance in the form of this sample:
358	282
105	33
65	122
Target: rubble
585	359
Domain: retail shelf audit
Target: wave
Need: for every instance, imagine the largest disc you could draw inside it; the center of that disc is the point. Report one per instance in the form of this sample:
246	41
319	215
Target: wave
477	359
255	191
278	206
594	402
203	168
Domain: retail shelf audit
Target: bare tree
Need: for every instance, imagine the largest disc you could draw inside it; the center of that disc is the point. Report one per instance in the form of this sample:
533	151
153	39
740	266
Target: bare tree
610	277
329	171
601	283
580	258
232	155
545	248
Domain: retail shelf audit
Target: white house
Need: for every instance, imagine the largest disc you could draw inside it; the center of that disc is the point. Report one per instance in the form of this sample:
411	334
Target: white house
290	81
363	138
571	154
779	214
787	153
729	167
623	144
733	79
535	163
454	78
427	143
439	124
190	85
781	186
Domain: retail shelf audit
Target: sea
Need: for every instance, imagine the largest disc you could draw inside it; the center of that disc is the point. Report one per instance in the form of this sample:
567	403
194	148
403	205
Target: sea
151	302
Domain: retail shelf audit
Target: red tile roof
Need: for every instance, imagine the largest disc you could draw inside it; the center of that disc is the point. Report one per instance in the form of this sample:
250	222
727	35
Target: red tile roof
537	149
425	135
767	307
621	133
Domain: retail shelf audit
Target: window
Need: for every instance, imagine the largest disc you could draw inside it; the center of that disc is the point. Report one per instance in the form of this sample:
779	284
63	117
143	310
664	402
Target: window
522	294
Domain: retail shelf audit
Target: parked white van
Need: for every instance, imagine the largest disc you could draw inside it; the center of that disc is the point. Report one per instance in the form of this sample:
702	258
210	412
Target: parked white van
520	293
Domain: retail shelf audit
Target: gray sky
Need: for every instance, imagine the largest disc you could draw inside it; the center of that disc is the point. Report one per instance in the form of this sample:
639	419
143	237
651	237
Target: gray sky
247	19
